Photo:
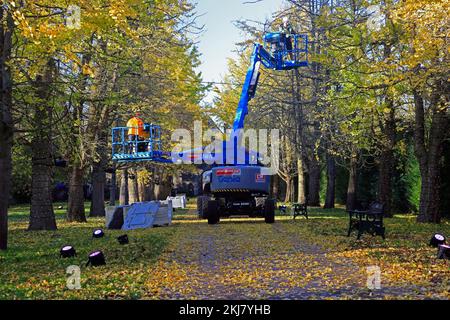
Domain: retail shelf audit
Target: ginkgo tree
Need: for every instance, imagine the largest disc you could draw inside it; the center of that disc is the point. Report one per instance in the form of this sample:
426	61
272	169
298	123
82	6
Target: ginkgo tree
424	65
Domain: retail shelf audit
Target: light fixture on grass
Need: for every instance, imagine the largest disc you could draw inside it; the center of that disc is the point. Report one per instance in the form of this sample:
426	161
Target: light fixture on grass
96	258
437	240
123	239
444	251
98	233
67	252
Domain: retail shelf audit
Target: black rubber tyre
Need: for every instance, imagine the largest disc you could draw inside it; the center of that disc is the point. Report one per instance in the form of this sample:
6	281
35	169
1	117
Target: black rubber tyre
213	212
269	211
202	207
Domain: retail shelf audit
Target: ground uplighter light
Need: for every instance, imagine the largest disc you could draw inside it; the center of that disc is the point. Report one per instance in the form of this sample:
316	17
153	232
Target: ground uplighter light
437	240
98	233
444	252
96	258
123	239
67	252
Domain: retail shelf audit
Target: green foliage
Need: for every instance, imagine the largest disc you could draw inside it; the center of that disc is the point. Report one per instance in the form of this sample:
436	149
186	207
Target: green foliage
341	184
323	184
21	174
411	180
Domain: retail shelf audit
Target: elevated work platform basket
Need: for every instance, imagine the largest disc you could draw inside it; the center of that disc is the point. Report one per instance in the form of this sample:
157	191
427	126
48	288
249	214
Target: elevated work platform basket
132	148
288	51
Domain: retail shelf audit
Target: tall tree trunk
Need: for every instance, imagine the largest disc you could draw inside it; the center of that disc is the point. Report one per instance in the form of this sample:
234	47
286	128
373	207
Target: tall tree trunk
75	211
99	177
6	123
133	187
429	152
386	167
298	123
157	191
314	183
6	133
146	186
98	190
42	216
292	190
161	191
352	183
150	191
113	188
123	197
429	208
386	160
289	190
331	182
141	188
145	189
80	158
301	181
287	196
162	186
385	181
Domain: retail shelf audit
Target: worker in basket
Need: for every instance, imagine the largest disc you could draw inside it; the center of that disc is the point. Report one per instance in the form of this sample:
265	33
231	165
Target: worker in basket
138	134
288	32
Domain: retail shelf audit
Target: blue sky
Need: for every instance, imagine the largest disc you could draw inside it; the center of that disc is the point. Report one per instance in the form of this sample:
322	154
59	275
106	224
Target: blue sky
220	36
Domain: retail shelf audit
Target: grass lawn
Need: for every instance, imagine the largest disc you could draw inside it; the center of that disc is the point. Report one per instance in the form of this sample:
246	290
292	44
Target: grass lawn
32	269
404	257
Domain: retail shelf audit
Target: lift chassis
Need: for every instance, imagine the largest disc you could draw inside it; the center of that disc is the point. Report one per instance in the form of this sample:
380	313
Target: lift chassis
235	190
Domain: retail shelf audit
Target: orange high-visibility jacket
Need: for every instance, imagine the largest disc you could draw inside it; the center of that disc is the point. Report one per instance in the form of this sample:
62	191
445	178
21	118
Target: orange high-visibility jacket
136	127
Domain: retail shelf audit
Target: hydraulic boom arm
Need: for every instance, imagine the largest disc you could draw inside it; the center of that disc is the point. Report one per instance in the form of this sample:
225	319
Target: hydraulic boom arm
277	61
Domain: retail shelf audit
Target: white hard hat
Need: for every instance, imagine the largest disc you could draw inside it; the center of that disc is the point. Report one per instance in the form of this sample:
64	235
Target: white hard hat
285	19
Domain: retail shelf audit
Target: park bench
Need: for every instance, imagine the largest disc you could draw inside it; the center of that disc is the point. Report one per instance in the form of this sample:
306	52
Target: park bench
300	209
370	221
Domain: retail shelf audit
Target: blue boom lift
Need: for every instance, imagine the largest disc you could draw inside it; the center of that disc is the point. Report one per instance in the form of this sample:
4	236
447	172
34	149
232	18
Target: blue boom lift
236	188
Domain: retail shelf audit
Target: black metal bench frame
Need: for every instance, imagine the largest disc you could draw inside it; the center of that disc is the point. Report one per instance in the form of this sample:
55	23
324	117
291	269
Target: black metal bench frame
300	209
369	221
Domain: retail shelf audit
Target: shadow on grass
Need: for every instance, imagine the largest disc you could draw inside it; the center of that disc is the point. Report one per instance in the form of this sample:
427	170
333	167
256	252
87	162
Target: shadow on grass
22	212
